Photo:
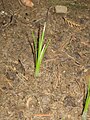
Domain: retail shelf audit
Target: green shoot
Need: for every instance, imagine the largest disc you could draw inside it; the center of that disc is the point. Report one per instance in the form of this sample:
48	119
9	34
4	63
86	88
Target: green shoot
87	102
39	50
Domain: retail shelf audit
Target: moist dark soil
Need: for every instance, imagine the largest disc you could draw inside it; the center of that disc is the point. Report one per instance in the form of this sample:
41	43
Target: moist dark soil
59	92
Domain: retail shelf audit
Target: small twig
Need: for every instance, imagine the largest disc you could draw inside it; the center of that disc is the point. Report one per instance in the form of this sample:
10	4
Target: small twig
42	115
86	44
77	63
28	101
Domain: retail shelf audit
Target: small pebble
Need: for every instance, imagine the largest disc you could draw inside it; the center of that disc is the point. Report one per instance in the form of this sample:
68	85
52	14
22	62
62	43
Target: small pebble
60	9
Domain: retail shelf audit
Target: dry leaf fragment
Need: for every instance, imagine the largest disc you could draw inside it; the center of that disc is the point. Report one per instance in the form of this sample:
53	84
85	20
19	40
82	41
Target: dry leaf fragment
27	3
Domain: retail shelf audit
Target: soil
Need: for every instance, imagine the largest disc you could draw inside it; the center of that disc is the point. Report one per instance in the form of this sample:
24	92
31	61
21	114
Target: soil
59	92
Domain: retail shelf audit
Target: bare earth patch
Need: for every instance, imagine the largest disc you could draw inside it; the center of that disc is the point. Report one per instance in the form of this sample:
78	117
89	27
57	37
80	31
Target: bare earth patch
59	92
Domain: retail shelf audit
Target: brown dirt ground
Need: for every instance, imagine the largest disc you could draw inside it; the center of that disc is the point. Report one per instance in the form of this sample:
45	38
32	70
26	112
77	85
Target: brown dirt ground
60	90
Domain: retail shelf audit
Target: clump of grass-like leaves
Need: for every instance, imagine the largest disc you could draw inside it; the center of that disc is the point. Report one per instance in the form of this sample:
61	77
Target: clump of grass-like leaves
39	50
87	101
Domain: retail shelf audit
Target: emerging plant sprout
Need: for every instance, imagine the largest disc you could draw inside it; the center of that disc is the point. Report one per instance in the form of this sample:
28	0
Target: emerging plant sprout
87	101
39	50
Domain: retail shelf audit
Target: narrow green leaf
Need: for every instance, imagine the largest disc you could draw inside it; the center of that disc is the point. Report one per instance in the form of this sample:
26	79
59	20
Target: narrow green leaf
84	116
87	103
43	52
39	60
87	99
41	40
